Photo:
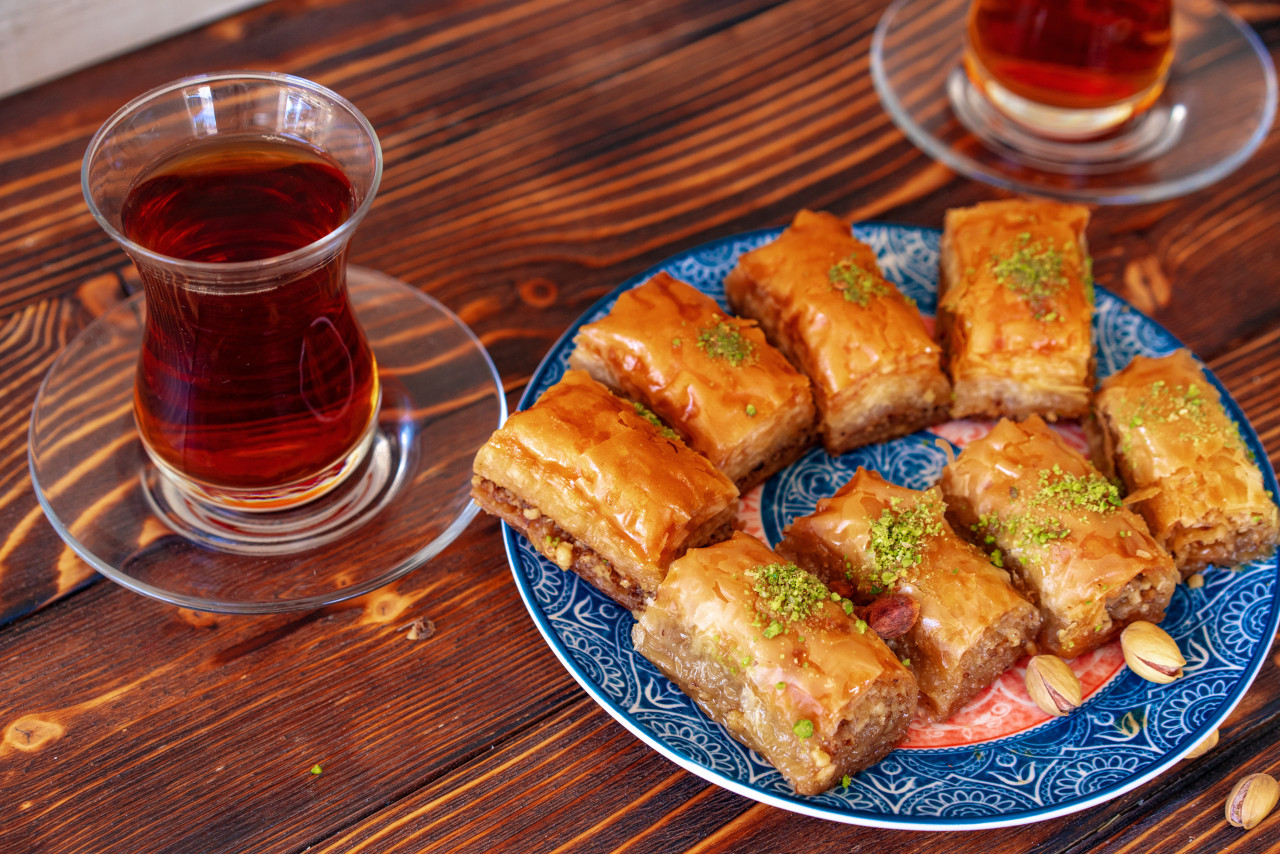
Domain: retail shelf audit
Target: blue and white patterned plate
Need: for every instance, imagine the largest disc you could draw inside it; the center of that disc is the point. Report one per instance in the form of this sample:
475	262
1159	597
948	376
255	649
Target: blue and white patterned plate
1127	731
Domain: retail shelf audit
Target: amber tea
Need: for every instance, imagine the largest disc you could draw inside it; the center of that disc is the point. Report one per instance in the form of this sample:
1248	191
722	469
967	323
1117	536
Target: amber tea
248	388
1070	68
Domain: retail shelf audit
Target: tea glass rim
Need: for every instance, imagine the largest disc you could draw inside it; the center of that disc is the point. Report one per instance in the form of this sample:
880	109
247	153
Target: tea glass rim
301	256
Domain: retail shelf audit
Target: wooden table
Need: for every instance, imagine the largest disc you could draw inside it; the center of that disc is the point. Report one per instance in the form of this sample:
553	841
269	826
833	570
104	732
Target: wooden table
538	153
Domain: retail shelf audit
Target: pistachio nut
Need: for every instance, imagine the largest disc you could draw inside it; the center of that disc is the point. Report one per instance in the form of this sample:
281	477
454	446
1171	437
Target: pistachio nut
1151	653
1052	685
1209	742
1251	800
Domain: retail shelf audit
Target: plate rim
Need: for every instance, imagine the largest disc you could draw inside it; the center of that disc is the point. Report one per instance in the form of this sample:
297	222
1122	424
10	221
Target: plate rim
799	803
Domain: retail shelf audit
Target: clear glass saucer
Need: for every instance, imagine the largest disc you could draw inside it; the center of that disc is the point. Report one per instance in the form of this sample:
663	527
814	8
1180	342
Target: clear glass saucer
442	398
1218	104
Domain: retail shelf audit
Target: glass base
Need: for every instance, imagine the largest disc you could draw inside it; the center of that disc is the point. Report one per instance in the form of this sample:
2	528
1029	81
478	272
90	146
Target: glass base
1218	103
1146	137
407	500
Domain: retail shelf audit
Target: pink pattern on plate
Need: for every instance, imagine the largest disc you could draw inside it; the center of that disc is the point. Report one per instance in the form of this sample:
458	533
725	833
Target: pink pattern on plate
1005	709
961	433
749	517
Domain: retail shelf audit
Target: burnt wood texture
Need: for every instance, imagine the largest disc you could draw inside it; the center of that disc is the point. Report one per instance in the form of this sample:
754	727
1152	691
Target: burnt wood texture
538	152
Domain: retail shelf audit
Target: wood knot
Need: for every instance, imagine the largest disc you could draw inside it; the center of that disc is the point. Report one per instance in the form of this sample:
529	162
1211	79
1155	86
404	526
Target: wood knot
539	293
198	619
1146	285
31	734
385	607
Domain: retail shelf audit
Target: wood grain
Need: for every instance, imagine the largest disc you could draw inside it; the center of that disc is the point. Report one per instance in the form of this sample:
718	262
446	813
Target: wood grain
539	152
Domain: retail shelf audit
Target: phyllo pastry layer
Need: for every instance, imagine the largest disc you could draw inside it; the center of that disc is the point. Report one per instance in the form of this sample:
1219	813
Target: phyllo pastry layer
763	648
1184	463
887	539
710	376
819	295
1015	309
1043	511
600	490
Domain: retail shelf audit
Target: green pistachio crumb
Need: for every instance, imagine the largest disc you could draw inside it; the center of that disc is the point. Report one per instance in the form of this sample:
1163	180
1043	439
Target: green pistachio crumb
898	538
787	594
1034	271
647	414
722	340
316	769
997	558
1065	491
780	685
846	780
803	728
751	410
856	283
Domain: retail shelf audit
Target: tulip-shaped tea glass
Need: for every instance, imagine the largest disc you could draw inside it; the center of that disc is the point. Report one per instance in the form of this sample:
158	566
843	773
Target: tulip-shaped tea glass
281	399
236	196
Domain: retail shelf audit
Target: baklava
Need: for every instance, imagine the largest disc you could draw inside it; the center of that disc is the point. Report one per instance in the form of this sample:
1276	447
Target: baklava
600	490
820	297
1184	464
1015	309
762	647
1043	511
712	377
885	539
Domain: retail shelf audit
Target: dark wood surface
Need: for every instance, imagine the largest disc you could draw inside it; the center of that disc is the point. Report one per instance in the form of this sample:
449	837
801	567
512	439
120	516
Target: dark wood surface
538	152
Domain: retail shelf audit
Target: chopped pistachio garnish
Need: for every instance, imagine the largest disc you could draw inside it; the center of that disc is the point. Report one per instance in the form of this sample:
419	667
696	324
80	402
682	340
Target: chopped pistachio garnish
803	728
857	283
751	410
1033	271
722	340
1186	406
1064	491
645	413
897	539
316	769
846	780
780	685
788	594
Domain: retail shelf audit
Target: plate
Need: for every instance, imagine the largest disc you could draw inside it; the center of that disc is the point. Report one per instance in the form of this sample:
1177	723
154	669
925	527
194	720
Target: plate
999	761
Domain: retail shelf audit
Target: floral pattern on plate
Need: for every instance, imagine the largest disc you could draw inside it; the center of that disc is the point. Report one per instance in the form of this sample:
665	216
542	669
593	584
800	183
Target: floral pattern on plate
997	762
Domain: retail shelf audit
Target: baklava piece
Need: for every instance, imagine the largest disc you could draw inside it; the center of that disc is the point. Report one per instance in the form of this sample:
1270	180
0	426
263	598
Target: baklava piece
712	377
889	542
1015	309
1042	510
1184	464
599	490
764	650
820	297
